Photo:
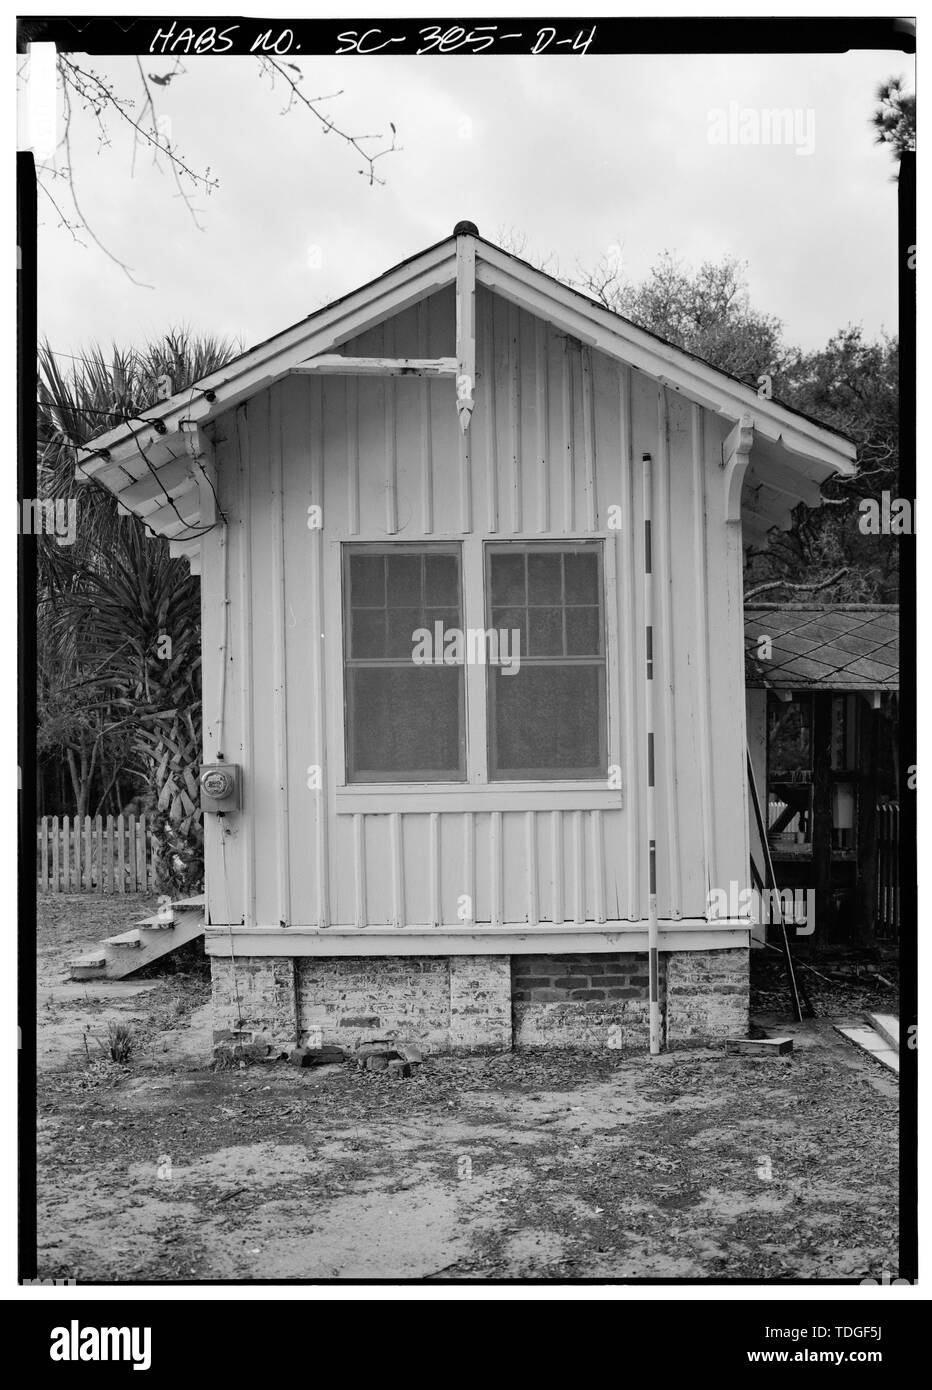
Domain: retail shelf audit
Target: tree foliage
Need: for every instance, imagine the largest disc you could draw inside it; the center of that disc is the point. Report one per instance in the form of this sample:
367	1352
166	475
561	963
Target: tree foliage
119	619
707	312
850	385
894	117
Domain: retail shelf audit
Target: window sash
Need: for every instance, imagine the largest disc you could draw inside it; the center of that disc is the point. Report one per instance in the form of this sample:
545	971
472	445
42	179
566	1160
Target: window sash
357	774
497	772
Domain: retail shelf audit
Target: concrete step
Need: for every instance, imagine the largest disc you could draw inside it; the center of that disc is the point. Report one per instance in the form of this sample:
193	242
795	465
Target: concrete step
132	939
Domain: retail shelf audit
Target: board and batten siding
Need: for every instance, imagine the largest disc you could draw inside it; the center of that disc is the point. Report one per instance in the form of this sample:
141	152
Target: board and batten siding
555	442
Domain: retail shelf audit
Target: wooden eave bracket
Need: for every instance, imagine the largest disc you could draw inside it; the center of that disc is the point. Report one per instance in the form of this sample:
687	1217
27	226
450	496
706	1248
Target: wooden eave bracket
736	455
462	367
200	450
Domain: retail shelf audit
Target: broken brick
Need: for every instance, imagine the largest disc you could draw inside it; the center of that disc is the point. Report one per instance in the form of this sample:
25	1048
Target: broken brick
317	1056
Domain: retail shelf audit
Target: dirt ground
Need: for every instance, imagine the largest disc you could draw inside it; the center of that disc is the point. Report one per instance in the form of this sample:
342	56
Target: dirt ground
523	1166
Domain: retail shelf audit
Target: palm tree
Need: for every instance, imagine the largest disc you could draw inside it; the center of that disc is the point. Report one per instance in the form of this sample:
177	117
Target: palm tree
118	614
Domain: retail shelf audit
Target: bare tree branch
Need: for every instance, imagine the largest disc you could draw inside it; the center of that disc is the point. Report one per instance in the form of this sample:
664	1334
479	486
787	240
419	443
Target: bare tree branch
796	588
276	69
100	101
173	163
69	178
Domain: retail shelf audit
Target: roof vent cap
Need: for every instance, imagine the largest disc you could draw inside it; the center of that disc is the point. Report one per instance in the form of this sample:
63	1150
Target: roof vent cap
465	229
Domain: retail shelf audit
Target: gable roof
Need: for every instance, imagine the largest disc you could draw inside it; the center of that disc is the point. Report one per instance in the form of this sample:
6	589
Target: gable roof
150	462
823	646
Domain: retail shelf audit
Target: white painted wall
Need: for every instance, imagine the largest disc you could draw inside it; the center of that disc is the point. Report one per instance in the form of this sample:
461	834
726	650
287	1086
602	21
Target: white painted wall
556	440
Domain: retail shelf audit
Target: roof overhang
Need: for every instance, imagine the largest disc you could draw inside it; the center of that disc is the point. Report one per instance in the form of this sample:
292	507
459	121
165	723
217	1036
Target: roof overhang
841	648
159	465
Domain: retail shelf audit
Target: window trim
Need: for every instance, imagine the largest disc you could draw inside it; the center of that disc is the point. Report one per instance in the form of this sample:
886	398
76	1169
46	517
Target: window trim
502	776
355	776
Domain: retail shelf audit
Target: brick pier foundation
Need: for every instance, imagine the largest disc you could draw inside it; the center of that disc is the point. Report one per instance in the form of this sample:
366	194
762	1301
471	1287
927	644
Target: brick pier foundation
467	1003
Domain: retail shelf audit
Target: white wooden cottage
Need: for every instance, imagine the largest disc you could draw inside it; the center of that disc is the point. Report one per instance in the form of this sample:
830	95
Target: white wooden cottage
470	850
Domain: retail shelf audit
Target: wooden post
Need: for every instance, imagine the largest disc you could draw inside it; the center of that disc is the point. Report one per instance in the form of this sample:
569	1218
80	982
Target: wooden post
54	854
822	814
895	866
66	854
88	853
121	852
109	838
78	867
99	849
868	735
142	871
465	329
44	854
131	854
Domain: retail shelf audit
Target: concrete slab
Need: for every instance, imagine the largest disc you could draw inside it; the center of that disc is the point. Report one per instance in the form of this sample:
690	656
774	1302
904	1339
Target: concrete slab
888	1026
68	990
869	1041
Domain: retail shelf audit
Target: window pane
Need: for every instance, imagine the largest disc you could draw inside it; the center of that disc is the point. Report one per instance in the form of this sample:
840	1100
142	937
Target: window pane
583	632
448	617
543	578
368	638
582	577
367	581
404	580
545	634
404	719
402	624
511	620
404	722
442	579
507	579
548	720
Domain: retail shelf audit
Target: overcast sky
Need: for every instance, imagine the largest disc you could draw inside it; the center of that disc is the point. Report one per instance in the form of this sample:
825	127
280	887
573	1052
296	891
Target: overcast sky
577	154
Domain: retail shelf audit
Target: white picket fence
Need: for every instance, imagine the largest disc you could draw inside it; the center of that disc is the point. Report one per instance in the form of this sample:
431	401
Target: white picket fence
94	855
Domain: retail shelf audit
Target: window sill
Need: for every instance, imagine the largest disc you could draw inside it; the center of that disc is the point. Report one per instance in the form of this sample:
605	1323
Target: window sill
381	799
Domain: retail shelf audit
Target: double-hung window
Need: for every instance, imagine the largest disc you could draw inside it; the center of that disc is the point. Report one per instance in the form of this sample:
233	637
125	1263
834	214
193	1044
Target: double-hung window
542	652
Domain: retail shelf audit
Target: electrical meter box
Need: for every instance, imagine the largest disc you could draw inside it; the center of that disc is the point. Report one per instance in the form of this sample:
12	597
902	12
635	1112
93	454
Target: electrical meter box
221	786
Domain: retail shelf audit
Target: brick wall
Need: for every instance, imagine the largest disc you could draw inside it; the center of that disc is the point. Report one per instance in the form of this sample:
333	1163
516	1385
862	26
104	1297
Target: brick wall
440	1002
352	999
474	1002
253	1001
708	995
594	1000
480	1002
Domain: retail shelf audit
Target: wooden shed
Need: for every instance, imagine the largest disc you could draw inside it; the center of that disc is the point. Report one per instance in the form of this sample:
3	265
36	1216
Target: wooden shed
459	463
822	695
